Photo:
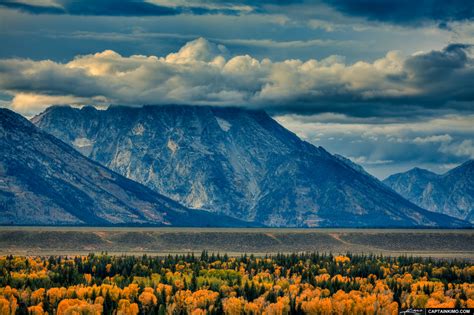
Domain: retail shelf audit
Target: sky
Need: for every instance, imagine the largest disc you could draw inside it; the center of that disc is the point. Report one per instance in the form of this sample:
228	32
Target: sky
388	84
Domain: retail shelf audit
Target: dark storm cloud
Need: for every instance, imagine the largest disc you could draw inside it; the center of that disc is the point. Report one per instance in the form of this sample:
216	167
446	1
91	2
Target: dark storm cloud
427	83
446	76
437	64
93	7
402	12
407	12
111	8
31	8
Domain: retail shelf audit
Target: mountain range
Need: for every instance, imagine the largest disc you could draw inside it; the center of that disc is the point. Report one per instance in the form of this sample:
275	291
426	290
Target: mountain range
235	162
451	193
44	181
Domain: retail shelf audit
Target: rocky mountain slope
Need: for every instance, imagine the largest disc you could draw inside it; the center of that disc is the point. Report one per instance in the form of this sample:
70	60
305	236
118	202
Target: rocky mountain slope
45	181
236	162
451	193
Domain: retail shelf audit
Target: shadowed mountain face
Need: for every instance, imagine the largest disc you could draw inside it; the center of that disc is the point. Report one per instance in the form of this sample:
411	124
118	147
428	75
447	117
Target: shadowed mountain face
451	193
236	162
45	181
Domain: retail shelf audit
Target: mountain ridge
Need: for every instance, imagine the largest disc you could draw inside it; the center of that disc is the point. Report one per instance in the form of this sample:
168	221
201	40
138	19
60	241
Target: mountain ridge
44	181
233	161
451	193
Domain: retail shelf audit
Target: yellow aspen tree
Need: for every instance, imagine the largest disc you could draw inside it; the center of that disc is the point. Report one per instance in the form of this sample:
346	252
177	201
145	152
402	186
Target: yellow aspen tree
4	306
232	306
127	308
36	310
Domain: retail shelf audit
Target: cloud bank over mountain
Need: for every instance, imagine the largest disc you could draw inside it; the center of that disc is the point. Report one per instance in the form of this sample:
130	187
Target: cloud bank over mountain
203	72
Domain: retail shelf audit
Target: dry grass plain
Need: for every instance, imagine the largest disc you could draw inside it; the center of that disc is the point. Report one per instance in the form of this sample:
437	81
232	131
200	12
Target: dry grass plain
161	241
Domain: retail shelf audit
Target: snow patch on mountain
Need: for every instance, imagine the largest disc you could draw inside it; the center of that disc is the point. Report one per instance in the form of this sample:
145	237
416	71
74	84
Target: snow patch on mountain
83	145
172	146
224	124
82	142
138	129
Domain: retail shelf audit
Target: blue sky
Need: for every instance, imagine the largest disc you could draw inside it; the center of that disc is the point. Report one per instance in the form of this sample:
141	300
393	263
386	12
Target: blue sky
388	84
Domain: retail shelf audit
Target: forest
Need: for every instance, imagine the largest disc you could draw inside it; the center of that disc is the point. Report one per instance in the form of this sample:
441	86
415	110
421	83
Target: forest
309	283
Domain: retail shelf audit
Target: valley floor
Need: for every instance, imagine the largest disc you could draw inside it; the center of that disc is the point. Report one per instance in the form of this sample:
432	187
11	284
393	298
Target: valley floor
160	241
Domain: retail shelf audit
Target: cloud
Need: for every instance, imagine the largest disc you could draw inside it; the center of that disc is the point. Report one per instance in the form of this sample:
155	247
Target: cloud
384	146
286	44
463	148
203	72
48	7
398	12
29	104
321	24
121	8
198	50
259	34
434	138
406	12
363	160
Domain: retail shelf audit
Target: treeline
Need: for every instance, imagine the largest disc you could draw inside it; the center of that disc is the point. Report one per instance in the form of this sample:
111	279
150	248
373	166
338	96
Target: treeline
215	284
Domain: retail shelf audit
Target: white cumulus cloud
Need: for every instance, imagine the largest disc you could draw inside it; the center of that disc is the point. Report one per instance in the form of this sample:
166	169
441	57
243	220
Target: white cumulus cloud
202	72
